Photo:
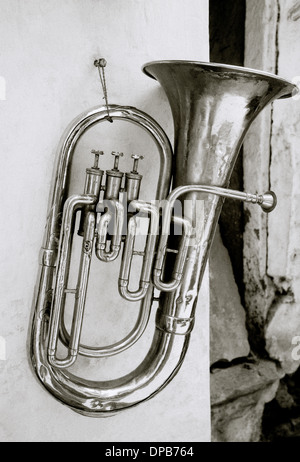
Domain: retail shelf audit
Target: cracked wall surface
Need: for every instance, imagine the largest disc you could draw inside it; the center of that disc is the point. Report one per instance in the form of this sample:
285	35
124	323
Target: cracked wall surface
271	161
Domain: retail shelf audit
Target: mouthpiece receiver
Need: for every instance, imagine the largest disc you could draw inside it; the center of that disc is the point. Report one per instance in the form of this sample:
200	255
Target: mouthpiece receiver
268	202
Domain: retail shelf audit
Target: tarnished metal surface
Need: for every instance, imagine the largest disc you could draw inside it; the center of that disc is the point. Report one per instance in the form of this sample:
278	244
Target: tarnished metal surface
213	106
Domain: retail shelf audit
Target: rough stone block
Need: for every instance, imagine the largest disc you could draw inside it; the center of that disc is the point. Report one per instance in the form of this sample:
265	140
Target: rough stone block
238	396
228	334
283	335
271	243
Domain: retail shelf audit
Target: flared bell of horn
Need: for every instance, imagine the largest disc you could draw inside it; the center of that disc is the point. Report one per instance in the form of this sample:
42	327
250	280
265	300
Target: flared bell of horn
213	106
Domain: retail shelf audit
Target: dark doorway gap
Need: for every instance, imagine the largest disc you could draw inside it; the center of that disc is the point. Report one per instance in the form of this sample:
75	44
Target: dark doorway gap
227	40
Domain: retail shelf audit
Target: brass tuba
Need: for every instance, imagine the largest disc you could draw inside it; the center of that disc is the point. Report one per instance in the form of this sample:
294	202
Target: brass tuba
213	106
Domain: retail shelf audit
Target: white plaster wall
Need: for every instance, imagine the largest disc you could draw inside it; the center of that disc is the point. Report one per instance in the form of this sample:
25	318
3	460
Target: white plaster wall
47	51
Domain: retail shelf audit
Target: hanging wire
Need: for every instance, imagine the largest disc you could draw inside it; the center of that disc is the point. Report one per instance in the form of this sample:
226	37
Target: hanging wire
100	64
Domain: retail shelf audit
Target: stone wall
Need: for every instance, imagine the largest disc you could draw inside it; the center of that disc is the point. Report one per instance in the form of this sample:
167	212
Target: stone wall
253	361
271	161
272	278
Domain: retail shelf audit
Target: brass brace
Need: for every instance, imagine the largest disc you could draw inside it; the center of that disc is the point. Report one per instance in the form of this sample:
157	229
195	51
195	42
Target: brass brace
173	325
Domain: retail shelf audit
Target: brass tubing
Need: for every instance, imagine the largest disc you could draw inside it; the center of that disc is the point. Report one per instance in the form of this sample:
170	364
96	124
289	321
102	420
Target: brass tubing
174	282
101	239
39	330
82	283
130	339
148	254
64	253
266	201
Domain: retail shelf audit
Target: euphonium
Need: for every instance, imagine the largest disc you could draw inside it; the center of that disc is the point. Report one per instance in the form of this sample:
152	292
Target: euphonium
213	106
